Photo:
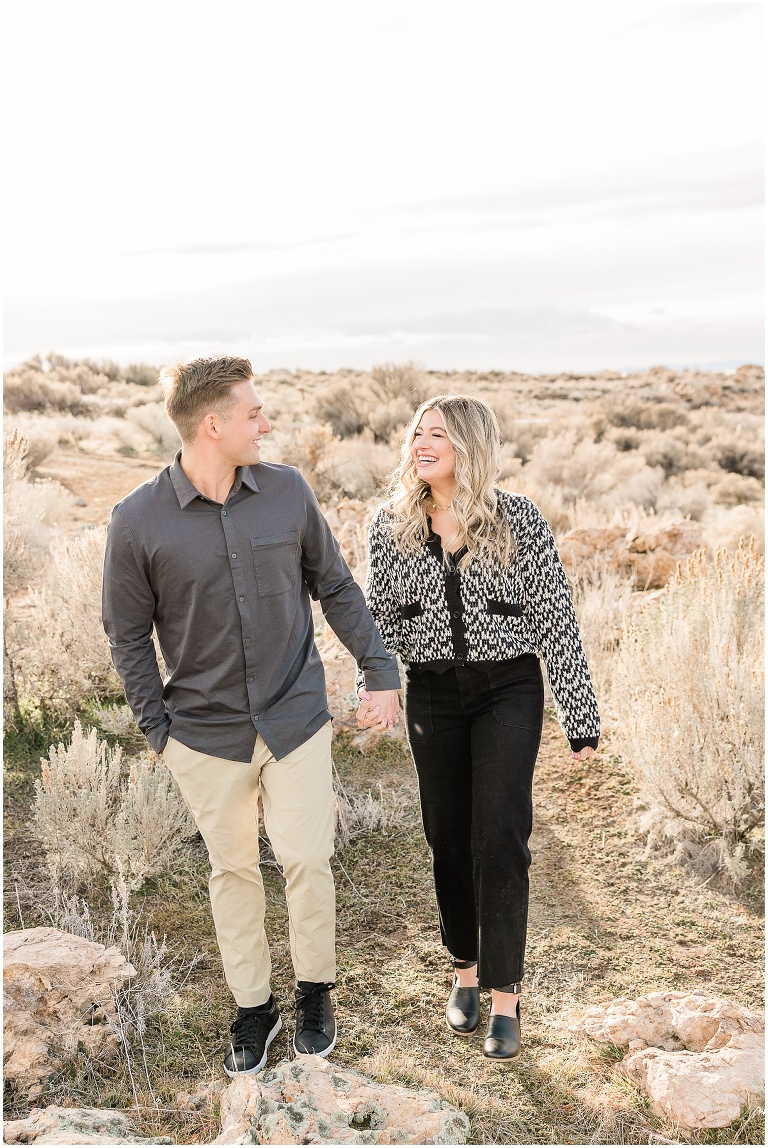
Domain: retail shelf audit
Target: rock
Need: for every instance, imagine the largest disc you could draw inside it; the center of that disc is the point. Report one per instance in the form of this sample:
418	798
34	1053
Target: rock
309	1101
700	1058
75	1126
204	1095
651	554
57	991
701	1089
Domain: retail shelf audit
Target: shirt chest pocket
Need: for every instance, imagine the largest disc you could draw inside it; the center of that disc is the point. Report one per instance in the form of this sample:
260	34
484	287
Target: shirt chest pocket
276	563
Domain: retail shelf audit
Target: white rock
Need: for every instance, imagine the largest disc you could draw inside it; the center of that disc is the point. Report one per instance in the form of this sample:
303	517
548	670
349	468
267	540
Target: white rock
57	991
700	1058
75	1126
309	1101
702	1089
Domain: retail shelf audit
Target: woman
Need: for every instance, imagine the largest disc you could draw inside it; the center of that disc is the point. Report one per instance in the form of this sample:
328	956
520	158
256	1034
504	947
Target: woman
466	585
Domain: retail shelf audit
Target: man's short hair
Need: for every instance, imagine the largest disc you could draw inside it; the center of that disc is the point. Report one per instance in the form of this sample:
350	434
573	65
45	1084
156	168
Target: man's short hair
192	389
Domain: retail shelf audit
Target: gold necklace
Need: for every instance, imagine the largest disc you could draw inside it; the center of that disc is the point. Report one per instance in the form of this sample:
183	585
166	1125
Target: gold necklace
436	507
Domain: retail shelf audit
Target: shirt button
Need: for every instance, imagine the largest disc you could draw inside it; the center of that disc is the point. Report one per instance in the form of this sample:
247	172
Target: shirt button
247	641
234	556
241	599
223	512
250	679
255	717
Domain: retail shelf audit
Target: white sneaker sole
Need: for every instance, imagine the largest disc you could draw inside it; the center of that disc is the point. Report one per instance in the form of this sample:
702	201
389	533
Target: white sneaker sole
325	1051
257	1067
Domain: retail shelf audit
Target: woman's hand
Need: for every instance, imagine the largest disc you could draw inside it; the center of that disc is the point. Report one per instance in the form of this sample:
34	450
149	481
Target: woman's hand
379	710
584	754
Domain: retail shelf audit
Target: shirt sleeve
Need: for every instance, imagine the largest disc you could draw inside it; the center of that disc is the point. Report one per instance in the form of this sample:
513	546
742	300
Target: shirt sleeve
552	618
128	607
330	581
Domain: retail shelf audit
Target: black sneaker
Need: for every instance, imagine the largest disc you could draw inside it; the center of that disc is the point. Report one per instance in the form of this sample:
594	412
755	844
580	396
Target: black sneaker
253	1030
315	1025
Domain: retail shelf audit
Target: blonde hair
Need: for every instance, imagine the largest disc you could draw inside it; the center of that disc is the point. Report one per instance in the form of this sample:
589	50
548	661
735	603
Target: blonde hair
192	389
473	430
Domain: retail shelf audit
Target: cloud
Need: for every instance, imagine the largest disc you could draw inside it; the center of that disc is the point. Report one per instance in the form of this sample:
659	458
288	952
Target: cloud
721	180
489	322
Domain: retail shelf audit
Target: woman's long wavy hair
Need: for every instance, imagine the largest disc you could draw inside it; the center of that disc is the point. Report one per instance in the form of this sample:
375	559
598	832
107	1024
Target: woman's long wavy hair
473	431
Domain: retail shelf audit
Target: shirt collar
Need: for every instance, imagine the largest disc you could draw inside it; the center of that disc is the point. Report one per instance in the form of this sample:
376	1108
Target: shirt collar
186	492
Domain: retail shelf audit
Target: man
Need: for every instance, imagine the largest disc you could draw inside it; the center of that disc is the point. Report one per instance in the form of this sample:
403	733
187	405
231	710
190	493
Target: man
221	553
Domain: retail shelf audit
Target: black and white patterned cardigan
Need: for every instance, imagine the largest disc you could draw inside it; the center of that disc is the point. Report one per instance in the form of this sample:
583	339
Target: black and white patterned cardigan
499	613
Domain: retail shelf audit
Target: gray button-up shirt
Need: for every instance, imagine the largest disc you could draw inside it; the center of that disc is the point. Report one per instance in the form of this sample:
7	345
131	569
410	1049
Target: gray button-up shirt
227	588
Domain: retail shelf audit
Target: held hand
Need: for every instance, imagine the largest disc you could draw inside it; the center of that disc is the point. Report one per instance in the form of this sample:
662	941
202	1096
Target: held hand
584	754
379	710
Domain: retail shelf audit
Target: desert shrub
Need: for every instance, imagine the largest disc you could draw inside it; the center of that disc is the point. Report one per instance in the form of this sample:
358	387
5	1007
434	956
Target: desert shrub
640	415
151	417
31	510
33	391
689	500
336	468
623	438
311	450
738	456
92	820
76	799
341	406
41	435
114	719
388	418
593	470
140	375
524	435
357	468
399	381
152	823
688	695
725	526
63	658
735	489
601	598
671	452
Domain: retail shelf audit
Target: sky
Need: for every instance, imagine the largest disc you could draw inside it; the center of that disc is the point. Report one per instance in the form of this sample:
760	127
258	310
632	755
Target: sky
512	186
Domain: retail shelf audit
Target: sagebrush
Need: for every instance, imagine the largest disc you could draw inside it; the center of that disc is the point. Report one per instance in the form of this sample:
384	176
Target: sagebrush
688	697
96	820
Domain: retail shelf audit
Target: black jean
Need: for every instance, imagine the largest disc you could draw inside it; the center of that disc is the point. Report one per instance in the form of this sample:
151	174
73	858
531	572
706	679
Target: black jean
474	732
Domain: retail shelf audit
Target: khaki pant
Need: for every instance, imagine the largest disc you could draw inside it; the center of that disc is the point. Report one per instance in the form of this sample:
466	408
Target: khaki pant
297	798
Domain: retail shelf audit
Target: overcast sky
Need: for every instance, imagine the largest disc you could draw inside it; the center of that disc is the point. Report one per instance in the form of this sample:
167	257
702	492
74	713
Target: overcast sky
523	186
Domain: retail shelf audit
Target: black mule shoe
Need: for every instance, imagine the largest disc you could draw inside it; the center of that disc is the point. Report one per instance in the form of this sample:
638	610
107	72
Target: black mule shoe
502	1041
462	1012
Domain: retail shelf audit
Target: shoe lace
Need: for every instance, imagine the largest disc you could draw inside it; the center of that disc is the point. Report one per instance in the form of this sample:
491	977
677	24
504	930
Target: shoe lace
310	1005
245	1028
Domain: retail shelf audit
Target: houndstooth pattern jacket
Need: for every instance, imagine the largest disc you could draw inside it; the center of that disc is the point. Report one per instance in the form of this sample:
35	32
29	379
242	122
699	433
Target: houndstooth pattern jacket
490	613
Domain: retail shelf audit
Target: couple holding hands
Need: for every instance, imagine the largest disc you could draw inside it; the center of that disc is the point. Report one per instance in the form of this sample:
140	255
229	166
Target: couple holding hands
220	554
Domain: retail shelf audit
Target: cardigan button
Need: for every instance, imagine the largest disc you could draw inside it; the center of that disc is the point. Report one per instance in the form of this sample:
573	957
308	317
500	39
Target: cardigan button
457	613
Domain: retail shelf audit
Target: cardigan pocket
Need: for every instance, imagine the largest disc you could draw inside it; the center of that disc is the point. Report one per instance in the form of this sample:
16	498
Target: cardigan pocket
411	610
504	609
